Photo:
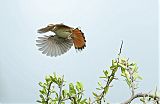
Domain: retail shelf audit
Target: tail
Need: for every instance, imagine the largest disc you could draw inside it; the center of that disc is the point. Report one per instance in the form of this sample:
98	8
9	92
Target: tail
78	39
54	45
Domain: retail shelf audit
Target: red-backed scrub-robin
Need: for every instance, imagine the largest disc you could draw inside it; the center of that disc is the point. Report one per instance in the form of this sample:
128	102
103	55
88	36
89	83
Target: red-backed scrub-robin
62	41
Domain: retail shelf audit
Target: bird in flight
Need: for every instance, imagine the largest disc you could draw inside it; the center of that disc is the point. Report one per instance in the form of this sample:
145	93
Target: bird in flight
63	39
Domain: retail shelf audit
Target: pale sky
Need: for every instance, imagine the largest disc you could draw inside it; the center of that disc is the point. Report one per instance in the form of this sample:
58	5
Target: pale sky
104	22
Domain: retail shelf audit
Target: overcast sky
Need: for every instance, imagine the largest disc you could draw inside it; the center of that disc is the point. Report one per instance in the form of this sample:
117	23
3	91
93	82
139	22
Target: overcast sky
104	22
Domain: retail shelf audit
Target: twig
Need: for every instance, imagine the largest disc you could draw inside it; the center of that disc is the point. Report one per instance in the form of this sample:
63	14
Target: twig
110	78
48	93
120	50
132	81
156	95
60	91
72	96
139	95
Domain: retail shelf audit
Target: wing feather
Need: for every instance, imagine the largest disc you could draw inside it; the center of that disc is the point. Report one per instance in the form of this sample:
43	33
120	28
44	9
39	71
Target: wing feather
53	45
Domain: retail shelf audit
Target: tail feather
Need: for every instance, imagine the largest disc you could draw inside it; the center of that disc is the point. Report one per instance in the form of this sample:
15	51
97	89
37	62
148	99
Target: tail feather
78	39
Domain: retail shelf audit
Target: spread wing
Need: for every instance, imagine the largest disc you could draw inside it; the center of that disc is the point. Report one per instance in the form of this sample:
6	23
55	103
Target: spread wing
56	27
46	29
54	45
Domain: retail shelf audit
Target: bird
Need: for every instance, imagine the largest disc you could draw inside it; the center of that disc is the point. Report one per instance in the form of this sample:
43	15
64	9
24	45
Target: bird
61	41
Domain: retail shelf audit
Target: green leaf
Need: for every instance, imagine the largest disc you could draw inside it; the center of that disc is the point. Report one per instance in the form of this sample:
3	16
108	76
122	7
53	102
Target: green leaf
47	78
84	101
59	81
123	74
52	78
41	84
39	101
62	102
42	91
94	94
135	68
44	102
64	93
98	88
122	66
127	74
113	67
103	77
56	94
100	84
105	73
42	97
142	100
139	77
79	86
106	89
123	70
71	89
114	63
128	82
135	75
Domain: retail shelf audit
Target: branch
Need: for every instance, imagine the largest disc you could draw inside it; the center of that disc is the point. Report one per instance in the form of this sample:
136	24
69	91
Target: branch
139	95
72	96
60	91
120	50
132	81
109	80
47	99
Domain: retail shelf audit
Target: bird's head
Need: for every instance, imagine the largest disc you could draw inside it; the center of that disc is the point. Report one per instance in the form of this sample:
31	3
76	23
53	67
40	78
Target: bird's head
46	29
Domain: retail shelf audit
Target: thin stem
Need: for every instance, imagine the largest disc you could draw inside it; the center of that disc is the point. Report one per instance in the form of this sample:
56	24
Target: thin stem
132	81
120	50
72	96
60	91
48	93
140	95
110	79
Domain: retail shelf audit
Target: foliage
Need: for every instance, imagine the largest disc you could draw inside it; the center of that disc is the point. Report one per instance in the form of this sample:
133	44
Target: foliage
53	91
49	95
